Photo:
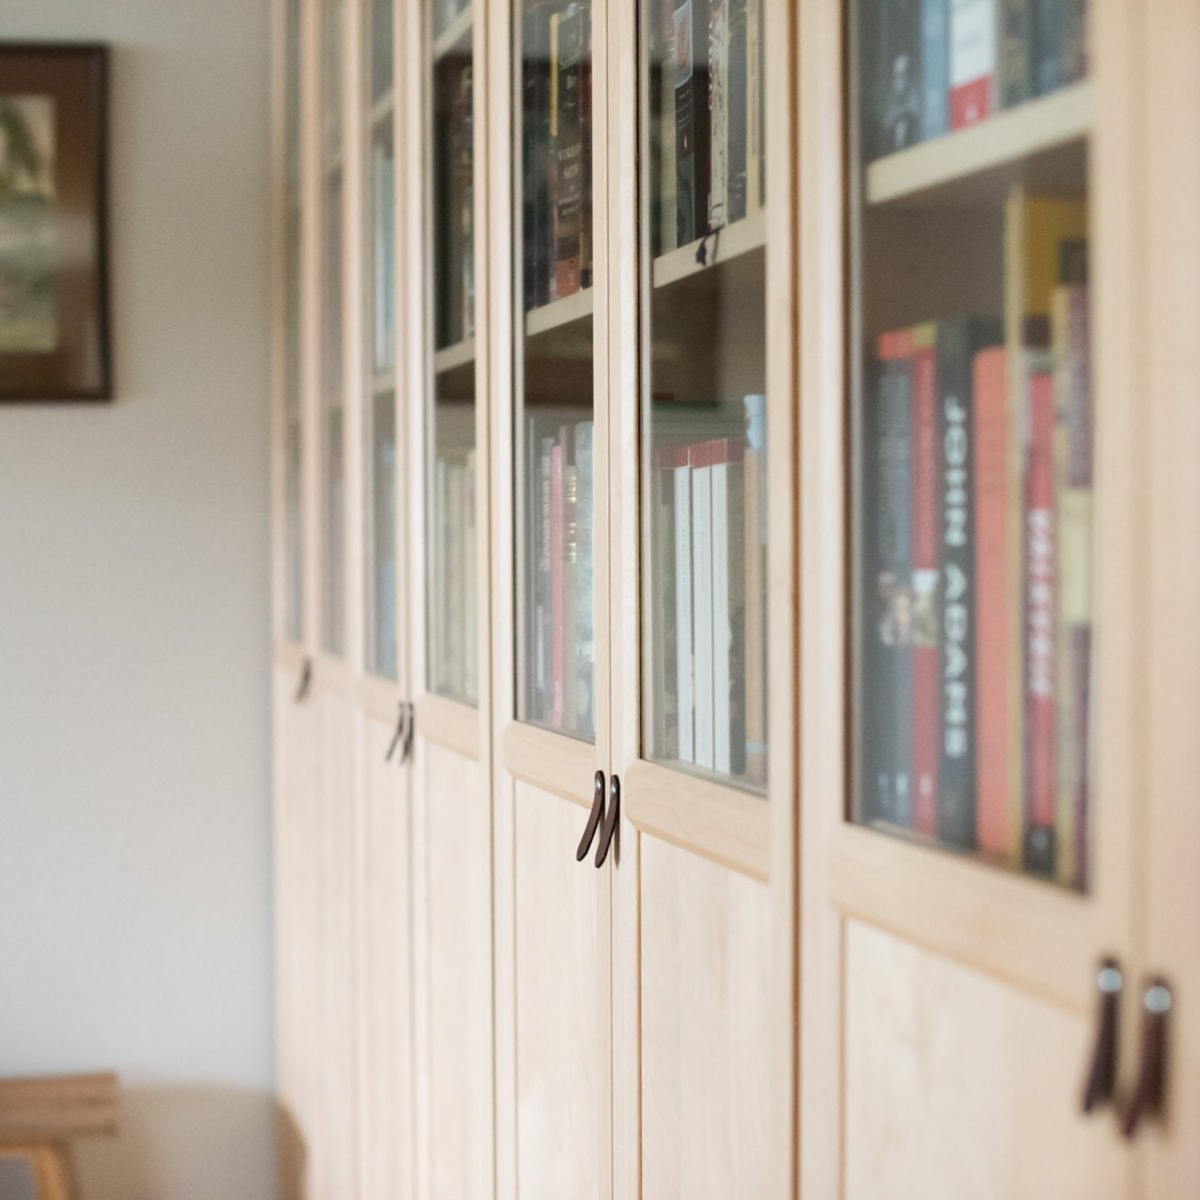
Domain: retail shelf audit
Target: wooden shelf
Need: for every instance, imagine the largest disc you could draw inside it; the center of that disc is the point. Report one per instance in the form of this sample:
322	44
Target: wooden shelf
450	37
961	166
560	312
449	358
734	240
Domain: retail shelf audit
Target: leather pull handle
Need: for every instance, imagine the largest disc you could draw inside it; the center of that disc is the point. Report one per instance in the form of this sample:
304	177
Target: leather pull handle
305	683
409	730
610	821
397	735
1102	1076
1150	1090
594	818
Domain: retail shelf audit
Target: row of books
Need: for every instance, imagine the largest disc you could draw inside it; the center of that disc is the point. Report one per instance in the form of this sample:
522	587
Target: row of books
454	636
977	481
556	98
383	248
708	585
707	88
454	202
561	646
931	66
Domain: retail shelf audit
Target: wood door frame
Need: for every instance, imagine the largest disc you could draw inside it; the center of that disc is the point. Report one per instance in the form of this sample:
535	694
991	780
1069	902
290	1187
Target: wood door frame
1049	940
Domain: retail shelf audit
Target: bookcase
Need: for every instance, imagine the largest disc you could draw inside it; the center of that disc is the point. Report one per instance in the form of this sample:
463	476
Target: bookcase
734	586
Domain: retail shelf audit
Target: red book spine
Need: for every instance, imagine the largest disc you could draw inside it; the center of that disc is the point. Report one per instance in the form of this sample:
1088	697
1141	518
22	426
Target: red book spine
994	823
558	655
970	103
926	706
1041	562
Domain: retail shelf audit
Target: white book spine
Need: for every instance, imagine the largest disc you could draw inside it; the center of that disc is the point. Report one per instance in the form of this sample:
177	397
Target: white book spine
728	723
471	585
684	641
703	603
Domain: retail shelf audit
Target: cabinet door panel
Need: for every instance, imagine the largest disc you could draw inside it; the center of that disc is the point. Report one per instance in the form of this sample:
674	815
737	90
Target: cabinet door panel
958	1086
706	1034
454	911
561	935
385	1047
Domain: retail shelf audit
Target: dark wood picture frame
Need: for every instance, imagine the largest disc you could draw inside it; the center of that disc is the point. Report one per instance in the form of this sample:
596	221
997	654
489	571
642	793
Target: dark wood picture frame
55	319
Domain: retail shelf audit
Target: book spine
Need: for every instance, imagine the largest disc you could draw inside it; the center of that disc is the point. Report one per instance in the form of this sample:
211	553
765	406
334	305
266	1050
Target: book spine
465	189
568	150
729	586
738	100
702	601
543	591
457	617
1014	51
664	66
1049	40
586	240
1075	54
557	559
924	519
666	653
691	129
959	679
684	634
1040	611
935	68
570	568
894	585
897	75
755	109
441	505
972	61
718	113
470	584
582	587
755	655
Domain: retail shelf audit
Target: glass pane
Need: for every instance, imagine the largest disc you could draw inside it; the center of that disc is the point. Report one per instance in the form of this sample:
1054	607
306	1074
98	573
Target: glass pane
972	419
704	508
380	425
453	626
334	501
292	383
556	600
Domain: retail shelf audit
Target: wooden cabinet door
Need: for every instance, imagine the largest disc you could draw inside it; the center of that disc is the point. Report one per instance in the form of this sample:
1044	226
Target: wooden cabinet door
702	598
949	1006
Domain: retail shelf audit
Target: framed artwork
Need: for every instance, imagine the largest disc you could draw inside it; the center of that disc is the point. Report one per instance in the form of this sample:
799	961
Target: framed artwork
54	303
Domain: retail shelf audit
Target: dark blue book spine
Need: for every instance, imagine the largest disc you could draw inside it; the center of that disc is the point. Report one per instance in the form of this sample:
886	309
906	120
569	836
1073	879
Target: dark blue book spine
935	68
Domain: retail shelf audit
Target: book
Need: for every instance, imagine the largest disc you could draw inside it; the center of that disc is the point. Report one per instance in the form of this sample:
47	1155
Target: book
383	274
685	640
583	585
1070	344
663	98
666	651
1074	48
739	98
704	699
972	61
558	558
925	548
543	592
537	153
718	113
1041	566
566	132
570	568
935	68
470	583
1049	42
991	449
728	606
756	184
959	340
754	472
1014	51
464	188
691	127
897	76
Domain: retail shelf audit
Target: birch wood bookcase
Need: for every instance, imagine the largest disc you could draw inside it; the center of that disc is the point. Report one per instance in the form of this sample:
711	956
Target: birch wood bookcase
623	848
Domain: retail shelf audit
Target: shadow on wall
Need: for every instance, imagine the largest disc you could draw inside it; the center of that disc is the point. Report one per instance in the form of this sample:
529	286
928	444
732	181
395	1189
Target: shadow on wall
192	1143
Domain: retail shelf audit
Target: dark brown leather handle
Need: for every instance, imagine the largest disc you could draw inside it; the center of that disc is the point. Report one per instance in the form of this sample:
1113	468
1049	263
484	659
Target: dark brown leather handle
410	729
594	818
397	735
610	820
305	683
1150	1090
1102	1076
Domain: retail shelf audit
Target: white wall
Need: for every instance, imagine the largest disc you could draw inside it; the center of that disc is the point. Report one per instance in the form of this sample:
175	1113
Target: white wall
134	814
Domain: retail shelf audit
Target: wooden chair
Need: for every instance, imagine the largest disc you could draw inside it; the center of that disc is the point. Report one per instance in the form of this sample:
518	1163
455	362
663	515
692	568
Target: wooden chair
40	1118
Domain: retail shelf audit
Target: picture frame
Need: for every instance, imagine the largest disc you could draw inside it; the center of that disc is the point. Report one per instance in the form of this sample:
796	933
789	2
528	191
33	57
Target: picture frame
55	320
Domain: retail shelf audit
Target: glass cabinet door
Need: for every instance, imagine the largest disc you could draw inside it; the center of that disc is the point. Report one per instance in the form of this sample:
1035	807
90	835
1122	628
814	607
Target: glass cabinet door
332	406
453	636
554	431
972	425
704	411
380	652
293	439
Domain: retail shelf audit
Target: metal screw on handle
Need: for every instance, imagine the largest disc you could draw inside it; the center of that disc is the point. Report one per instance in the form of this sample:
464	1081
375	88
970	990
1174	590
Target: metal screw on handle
610	821
302	688
594	817
1150	1090
1102	1076
397	735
